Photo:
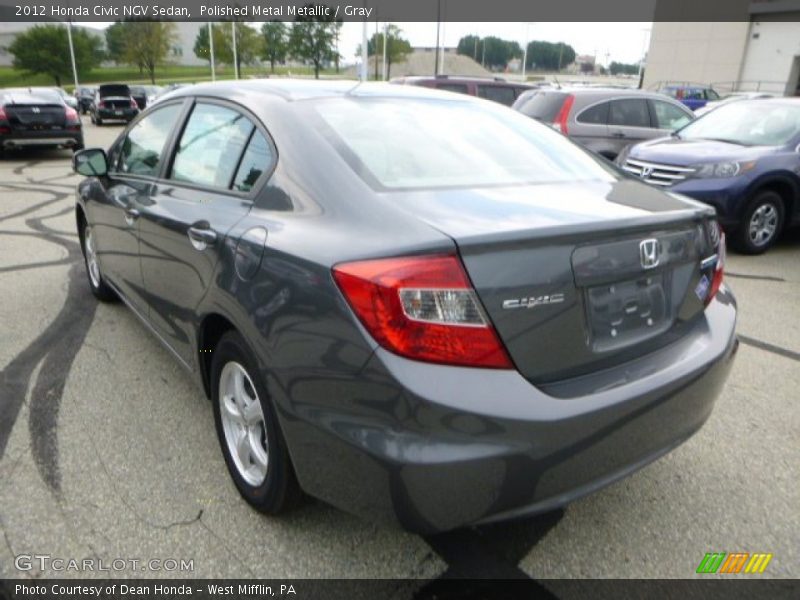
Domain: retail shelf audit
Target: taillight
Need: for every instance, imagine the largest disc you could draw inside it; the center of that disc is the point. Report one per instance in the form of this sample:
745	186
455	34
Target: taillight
101	104
717	237
133	103
4	128
72	117
563	114
3	115
424	308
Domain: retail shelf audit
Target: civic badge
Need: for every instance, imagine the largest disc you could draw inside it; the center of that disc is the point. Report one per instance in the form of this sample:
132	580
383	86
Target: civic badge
648	253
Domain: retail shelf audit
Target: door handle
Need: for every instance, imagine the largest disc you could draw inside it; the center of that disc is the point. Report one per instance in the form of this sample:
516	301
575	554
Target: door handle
131	214
618	134
201	237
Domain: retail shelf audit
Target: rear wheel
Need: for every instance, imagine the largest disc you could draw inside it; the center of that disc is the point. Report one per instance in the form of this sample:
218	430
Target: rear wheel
252	444
98	286
761	223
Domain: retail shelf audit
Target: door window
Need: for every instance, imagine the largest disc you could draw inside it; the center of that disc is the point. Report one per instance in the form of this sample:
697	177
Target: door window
211	145
452	87
630	112
669	116
141	151
497	93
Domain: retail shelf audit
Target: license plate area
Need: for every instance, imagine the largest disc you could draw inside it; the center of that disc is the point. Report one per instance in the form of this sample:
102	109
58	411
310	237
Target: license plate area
628	312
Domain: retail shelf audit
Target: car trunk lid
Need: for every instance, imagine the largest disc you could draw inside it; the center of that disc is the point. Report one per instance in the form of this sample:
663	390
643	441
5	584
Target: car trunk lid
34	117
581	276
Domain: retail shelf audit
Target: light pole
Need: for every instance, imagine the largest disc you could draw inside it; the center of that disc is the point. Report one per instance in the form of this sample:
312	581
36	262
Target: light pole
385	27
364	54
438	31
235	56
72	54
211	51
644	52
525	50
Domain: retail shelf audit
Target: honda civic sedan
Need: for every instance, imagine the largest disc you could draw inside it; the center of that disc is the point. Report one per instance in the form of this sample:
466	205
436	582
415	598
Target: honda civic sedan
420	307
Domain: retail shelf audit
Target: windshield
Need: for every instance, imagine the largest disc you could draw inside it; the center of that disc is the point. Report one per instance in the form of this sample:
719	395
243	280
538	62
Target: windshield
431	143
747	123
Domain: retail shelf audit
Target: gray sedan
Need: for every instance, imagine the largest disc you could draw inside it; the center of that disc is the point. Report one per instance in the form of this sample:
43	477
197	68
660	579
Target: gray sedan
420	307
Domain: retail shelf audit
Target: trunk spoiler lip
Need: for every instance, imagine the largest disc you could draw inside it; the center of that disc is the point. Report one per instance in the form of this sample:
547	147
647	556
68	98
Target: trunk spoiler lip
591	228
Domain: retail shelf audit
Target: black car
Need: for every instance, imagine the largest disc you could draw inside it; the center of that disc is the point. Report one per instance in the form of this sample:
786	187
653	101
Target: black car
113	102
417	306
85	97
37	117
496	89
144	94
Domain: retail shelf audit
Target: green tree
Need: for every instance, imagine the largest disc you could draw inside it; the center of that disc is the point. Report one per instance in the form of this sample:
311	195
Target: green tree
397	47
549	56
201	46
249	45
313	39
496	52
276	42
470	45
115	42
148	44
615	68
45	49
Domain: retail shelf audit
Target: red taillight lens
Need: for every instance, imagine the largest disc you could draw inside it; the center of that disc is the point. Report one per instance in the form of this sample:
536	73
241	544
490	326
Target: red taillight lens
563	114
101	104
3	115
133	103
716	278
72	116
424	308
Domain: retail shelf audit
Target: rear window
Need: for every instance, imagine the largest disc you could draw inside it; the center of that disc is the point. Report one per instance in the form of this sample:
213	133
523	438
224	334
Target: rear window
33	97
458	88
114	90
543	106
414	144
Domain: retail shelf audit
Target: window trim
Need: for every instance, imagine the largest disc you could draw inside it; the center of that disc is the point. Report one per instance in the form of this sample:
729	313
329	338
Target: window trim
593	105
257	124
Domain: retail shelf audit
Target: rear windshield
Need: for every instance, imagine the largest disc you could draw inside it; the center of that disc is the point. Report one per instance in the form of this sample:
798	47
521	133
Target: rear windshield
114	90
404	144
32	97
543	106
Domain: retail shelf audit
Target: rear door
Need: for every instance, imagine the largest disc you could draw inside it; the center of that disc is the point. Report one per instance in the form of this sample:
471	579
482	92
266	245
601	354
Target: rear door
206	190
628	122
668	117
591	129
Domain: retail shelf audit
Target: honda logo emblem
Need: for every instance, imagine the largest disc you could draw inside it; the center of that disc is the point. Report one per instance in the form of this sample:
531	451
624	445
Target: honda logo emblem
648	253
646	172
36	109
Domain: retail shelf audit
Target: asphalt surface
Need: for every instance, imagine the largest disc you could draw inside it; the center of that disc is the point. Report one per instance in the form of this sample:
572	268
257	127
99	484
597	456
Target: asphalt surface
108	451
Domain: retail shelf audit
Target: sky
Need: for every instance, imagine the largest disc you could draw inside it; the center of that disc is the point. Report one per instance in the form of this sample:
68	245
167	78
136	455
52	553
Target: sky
621	42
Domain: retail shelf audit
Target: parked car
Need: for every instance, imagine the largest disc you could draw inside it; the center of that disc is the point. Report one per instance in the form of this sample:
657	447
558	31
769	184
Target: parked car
144	95
85	96
113	102
605	120
496	88
37	117
742	159
531	327
692	95
732	97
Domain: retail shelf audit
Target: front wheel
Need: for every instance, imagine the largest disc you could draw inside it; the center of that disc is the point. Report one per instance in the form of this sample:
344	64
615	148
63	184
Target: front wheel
761	223
248	431
98	286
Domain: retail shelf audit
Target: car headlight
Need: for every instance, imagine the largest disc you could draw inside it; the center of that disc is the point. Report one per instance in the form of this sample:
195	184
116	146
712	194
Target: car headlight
723	170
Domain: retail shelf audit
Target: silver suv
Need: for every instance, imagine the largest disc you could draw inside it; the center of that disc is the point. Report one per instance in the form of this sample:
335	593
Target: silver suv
605	120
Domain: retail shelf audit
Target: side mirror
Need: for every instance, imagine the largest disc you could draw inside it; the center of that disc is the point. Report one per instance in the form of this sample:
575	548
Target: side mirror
91	162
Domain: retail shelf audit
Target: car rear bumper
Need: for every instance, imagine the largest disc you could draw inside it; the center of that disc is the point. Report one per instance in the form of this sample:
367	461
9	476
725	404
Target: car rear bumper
434	447
117	114
41	138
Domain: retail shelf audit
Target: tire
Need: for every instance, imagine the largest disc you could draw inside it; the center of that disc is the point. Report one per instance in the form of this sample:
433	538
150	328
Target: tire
98	286
761	223
262	471
98	121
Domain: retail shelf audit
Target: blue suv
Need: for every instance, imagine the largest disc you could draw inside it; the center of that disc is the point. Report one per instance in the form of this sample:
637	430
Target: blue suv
743	159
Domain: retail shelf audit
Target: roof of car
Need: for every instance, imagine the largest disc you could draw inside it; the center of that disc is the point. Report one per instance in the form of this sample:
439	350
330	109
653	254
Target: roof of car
302	89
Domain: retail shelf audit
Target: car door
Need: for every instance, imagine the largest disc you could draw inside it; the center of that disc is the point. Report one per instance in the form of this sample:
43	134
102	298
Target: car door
191	209
591	130
134	163
628	122
669	117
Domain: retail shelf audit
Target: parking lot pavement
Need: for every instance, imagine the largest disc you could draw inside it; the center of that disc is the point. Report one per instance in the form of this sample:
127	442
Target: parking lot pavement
108	451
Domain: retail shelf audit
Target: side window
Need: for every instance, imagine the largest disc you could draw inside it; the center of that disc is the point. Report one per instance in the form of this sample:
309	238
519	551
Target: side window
497	93
453	87
210	146
141	151
595	115
631	112
669	116
256	159
711	94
